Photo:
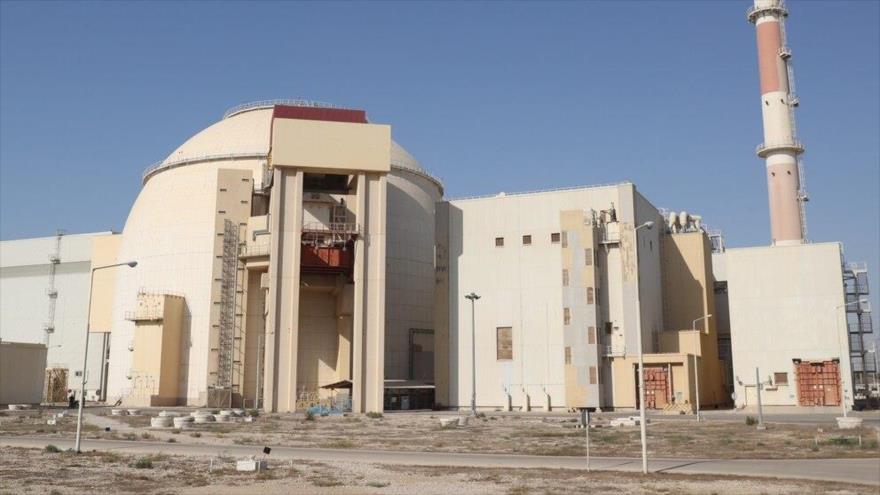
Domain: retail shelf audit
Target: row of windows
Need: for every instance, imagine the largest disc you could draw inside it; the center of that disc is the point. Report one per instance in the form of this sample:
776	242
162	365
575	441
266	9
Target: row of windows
527	239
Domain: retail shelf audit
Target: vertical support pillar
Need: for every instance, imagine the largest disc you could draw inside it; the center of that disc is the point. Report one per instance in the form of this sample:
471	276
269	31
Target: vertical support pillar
368	389
282	321
358	330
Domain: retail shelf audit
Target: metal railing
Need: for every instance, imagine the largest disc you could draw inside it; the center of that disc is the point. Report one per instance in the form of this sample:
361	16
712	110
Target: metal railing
144	315
614	351
295	102
420	171
753	12
251	250
164	164
792	144
332	228
541	191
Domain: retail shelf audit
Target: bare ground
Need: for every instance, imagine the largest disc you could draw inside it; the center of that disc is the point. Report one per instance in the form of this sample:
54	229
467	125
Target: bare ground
517	434
55	473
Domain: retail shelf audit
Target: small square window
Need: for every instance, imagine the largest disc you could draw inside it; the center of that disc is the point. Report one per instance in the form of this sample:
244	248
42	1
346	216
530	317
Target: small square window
591	335
568	355
780	378
593	375
499	242
554	237
527	240
590	297
564	277
588	256
566	316
609	328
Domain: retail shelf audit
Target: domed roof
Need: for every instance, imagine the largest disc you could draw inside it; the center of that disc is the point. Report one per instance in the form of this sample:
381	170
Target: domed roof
244	133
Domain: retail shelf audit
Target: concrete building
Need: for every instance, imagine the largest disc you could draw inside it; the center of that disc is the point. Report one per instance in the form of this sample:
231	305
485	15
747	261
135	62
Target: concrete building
565	285
262	245
292	255
22	368
787	310
44	288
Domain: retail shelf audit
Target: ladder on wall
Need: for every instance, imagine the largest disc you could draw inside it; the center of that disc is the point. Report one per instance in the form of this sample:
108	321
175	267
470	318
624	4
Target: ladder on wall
228	309
51	291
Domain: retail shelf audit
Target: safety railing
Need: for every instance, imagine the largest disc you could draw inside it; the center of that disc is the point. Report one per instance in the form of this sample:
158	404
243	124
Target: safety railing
294	102
793	145
164	165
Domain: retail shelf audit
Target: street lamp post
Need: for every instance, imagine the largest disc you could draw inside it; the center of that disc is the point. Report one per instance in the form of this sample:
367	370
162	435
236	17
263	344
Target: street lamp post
840	350
473	298
696	371
642	426
82	393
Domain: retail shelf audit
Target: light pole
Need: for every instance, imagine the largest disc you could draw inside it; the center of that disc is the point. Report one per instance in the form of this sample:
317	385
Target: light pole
82	393
644	431
696	371
840	350
473	298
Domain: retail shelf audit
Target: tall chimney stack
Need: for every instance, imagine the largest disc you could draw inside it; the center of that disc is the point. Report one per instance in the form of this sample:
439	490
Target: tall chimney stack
781	147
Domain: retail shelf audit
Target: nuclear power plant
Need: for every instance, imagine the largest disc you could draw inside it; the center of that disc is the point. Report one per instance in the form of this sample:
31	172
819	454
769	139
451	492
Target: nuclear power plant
294	254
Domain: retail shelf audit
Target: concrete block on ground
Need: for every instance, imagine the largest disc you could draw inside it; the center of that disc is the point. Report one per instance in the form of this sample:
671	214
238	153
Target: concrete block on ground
251	465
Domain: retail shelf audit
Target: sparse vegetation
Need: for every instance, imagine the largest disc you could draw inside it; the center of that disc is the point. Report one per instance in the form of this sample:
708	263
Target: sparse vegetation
751	421
310	416
195	434
51	449
374	415
143	463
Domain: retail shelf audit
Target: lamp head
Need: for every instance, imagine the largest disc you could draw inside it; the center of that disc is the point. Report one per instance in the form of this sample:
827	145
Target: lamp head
132	264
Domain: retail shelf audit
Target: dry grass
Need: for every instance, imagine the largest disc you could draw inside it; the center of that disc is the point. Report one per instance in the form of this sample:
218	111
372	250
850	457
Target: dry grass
32	471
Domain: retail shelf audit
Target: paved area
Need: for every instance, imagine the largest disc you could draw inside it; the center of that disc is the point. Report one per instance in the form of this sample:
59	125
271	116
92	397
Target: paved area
862	471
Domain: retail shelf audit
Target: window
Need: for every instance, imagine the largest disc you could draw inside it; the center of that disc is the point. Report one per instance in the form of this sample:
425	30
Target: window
554	237
568	355
609	328
499	242
588	256
590	296
527	240
564	277
780	378
591	335
566	316
593	377
504	343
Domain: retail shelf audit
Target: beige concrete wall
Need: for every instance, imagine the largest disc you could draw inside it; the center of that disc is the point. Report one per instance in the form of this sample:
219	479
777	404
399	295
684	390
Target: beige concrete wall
233	203
156	352
255	334
786	303
22	371
442	371
282	329
688	290
624	380
104	251
313	144
318	346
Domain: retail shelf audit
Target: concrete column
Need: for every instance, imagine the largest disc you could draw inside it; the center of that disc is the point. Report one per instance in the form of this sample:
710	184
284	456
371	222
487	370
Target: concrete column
358	331
282	332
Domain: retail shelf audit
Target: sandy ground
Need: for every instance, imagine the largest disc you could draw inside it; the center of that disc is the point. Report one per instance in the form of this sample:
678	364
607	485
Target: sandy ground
521	434
54	473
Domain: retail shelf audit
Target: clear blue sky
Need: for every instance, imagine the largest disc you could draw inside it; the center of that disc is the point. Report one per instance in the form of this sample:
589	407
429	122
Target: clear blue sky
489	96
